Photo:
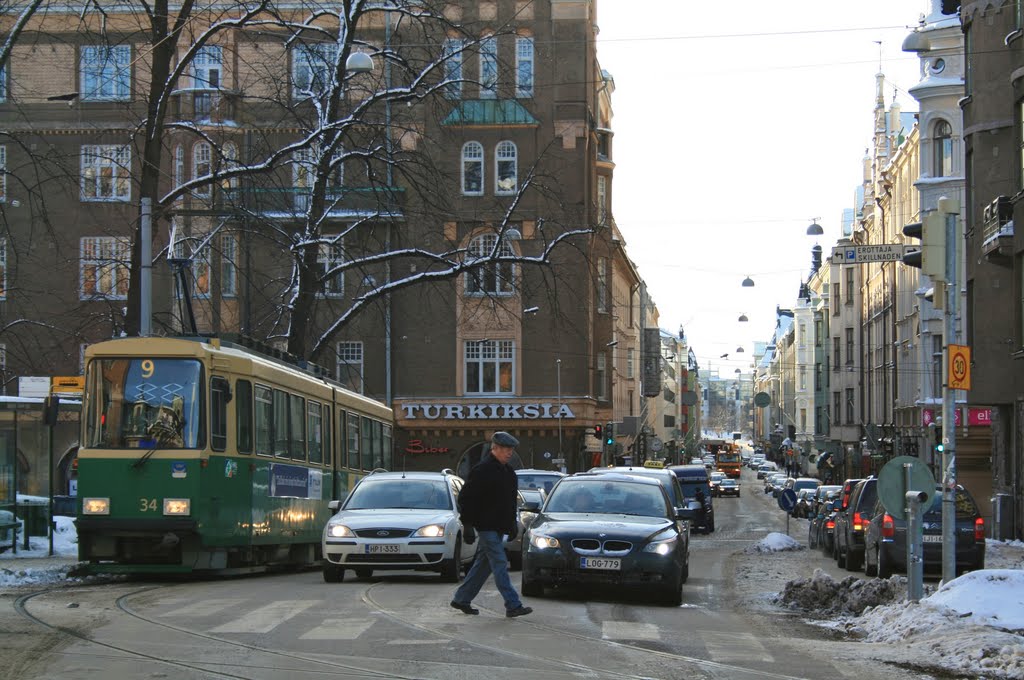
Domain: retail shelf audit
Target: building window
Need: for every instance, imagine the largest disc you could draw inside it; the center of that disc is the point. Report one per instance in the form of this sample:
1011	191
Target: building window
489	366
179	165
602	376
942	148
452	56
350	365
494	277
104	264
3	173
837	410
602	285
803	377
936	366
313	69
835	353
229	155
630	365
106	173
3	83
849	406
229	265
489	68
3	269
524	66
817	332
330	257
803	420
206	67
849	347
835	298
849	285
506	165
106	72
201	166
302	178
817	377
602	200
200	268
473	169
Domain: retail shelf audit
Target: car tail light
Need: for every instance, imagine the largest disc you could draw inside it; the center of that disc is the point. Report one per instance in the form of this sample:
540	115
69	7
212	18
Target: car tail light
979	529
858	522
830	524
888	526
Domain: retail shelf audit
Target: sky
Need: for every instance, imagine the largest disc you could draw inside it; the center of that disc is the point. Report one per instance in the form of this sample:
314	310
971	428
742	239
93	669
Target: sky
735	125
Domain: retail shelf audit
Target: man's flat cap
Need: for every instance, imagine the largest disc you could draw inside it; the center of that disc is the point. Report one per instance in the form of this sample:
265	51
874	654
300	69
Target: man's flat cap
504	439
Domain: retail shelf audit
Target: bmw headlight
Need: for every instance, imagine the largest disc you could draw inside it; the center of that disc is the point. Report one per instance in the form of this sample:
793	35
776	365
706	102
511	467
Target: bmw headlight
661	547
430	531
339	531
543	542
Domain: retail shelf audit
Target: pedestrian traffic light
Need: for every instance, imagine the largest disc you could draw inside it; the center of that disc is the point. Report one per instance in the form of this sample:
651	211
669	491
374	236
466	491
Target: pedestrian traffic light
930	257
598	432
609	434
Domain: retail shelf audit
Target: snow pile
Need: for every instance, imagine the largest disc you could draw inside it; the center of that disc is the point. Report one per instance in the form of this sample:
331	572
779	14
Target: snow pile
65	542
1004	554
822	594
774	542
35	576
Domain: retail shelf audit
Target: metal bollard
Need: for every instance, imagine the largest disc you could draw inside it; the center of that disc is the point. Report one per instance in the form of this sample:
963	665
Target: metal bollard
915	545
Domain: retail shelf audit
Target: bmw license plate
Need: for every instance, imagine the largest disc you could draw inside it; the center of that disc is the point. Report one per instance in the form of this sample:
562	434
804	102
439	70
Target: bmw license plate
386	549
612	564
932	538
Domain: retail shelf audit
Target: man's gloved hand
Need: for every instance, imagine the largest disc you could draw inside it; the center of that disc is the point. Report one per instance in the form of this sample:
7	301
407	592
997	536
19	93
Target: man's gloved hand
470	535
511	532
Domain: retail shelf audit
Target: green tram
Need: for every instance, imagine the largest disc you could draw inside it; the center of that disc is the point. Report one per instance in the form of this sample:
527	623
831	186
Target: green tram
202	455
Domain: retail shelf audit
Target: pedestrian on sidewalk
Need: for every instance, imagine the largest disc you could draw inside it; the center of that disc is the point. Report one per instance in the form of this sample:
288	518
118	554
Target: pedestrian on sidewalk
487	505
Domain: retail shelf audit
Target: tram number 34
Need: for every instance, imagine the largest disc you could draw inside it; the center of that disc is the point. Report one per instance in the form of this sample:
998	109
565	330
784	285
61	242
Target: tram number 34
147	505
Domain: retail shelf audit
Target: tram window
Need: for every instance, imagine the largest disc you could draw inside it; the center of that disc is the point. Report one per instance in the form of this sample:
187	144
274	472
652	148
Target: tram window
243	415
353	441
297	427
219	391
314	425
388	451
366	446
378	446
326	424
264	421
280	424
342	440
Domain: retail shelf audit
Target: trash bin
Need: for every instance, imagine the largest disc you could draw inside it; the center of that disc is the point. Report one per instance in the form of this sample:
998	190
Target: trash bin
35	517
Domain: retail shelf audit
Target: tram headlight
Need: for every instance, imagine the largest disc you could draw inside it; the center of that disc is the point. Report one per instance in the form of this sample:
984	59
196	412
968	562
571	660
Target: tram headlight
177	506
339	531
95	506
430	531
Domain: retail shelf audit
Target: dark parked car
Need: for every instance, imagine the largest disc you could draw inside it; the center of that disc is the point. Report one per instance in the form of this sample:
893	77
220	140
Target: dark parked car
608	528
538	479
696	485
851	523
667	480
729	487
886	538
822	529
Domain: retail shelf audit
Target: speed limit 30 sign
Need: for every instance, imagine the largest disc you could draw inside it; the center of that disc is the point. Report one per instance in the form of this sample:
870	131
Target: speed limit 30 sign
959	367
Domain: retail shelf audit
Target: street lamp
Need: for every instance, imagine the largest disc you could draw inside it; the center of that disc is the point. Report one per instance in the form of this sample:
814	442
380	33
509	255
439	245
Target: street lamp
748	282
815	228
359	62
743	317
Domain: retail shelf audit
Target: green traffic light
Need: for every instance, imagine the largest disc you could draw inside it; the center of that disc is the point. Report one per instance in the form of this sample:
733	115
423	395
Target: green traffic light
940	448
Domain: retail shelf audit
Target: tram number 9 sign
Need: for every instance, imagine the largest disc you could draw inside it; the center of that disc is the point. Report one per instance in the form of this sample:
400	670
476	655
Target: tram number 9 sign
959	367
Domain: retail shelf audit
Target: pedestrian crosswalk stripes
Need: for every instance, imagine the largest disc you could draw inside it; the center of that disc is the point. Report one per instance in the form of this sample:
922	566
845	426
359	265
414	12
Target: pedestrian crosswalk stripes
338	629
207	607
726	647
266	618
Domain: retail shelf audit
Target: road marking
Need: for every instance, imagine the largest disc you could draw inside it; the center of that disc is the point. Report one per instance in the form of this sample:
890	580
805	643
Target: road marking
439	641
265	619
338	629
730	647
206	608
629	630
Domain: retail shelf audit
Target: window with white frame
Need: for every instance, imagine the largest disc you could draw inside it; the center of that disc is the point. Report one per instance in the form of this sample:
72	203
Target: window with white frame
336	176
229	265
106	172
179	165
630	363
489	68
602	376
3	269
202	156
229	154
452	55
104	262
105	72
494	277
201	271
473	169
207	66
524	66
350	365
330	257
602	200
506	164
489	366
302	177
942	147
602	285
313	68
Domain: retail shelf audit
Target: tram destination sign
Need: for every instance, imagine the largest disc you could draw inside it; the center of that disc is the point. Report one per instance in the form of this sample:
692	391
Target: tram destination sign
882	252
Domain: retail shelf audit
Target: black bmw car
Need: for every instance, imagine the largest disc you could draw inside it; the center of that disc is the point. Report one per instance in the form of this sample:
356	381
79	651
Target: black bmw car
610	529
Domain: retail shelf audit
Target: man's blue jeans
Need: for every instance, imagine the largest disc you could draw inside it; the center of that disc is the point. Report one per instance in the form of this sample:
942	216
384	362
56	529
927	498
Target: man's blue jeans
490	556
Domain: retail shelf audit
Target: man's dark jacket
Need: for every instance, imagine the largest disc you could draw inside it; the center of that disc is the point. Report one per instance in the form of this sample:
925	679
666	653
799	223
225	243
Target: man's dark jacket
488	499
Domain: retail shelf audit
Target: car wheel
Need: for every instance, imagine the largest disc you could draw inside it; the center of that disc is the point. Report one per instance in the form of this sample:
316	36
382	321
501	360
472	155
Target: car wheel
530	587
364	572
333	573
515	560
686	570
883	569
811	536
840	557
853	562
672	593
870	569
711	527
451	569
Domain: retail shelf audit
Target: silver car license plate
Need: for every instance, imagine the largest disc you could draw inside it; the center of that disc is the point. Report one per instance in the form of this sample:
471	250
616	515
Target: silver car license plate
612	564
929	538
386	549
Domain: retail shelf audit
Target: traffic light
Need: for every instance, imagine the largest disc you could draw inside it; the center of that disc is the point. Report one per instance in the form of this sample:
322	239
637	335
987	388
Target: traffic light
598	431
930	258
609	434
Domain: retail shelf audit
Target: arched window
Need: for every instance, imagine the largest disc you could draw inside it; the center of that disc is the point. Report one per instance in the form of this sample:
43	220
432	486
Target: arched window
230	154
493	277
179	165
505	168
473	169
201	166
942	148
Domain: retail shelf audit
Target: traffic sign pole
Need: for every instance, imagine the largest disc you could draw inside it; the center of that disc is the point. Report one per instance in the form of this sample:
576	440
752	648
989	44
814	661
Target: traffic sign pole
951	208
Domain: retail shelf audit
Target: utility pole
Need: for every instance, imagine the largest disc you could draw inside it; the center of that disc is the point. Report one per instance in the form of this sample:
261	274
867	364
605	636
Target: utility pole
951	209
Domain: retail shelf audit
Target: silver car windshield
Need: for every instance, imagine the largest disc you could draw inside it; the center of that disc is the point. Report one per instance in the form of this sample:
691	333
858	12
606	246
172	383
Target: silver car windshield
411	494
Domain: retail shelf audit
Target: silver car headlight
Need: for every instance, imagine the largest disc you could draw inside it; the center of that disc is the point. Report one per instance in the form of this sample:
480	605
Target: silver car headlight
339	531
543	542
430	531
661	547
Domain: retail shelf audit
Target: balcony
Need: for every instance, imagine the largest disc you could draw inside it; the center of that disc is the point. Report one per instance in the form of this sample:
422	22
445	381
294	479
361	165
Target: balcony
997	231
204	105
342	202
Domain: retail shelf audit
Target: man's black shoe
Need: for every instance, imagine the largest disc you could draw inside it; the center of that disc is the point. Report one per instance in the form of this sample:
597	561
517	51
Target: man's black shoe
465	608
518	611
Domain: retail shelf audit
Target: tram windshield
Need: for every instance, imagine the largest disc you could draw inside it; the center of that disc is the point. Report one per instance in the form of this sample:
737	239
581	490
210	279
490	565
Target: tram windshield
144	404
